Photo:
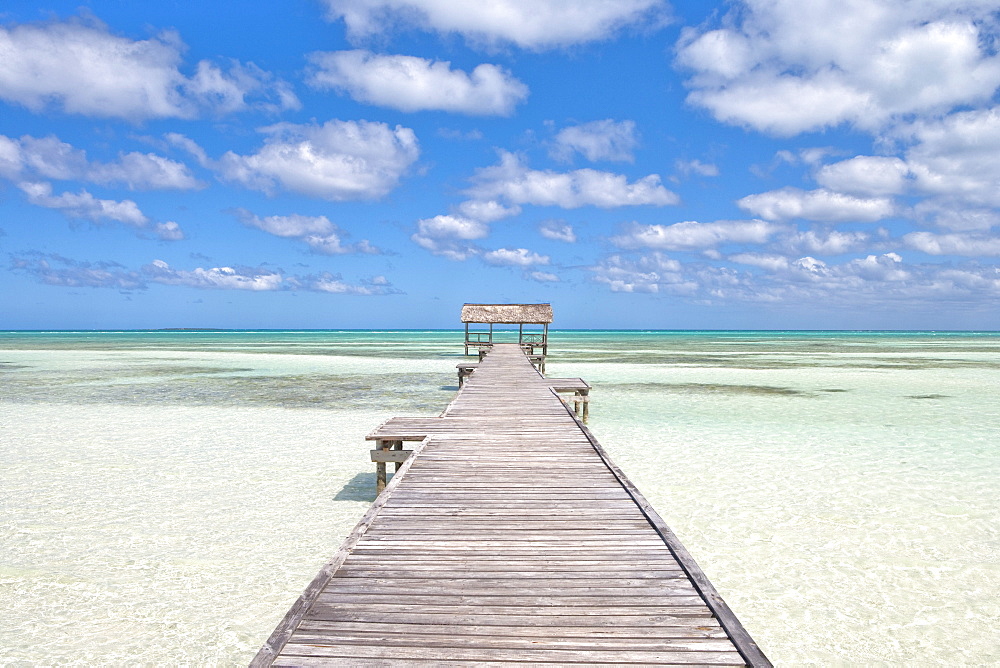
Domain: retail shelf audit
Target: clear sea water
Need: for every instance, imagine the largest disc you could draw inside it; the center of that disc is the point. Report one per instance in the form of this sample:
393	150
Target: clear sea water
166	496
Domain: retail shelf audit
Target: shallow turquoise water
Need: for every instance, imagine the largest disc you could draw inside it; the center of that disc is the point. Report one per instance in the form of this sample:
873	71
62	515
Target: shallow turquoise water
165	496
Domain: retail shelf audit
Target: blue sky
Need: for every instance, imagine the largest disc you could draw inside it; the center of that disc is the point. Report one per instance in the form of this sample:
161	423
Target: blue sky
376	163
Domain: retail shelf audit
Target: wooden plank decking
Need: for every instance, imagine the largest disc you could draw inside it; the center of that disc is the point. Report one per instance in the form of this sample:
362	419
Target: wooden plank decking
508	537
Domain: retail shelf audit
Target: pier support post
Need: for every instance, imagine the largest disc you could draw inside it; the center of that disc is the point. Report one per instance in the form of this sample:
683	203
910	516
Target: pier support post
380	455
379	477
581	403
397	445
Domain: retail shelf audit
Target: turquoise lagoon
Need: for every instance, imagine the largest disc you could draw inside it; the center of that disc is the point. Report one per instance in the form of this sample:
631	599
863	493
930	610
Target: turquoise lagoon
165	496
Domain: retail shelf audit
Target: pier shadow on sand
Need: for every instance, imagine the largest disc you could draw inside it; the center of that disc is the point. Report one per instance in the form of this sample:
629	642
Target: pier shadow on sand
359	488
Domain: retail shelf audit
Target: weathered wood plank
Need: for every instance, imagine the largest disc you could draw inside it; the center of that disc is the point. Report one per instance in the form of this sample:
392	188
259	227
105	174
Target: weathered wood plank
704	629
329	637
620	656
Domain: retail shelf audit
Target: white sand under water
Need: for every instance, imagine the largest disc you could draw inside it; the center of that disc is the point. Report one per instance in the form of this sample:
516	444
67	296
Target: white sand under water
166	503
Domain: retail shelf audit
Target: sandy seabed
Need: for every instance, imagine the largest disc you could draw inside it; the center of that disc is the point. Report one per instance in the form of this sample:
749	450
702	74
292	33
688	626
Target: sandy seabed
844	504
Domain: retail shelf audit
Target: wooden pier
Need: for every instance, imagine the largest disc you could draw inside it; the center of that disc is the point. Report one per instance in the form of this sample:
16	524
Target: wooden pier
508	536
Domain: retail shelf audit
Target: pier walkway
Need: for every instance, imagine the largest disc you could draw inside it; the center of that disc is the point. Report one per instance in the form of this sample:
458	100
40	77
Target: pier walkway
508	536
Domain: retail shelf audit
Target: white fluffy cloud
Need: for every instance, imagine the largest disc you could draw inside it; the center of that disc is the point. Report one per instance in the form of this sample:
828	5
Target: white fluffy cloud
339	160
334	284
49	158
957	216
514	257
514	183
84	69
950	162
953	244
408	83
956	156
557	230
84	205
952	157
697	167
452	227
168	231
597	140
449	235
691	235
540	24
225	278
866	176
883	281
317	231
830	242
64	272
648	273
784	67
488	211
818	205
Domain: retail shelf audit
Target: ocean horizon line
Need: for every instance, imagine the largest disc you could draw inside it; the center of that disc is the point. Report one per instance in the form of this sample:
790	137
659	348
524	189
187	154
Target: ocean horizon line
209	330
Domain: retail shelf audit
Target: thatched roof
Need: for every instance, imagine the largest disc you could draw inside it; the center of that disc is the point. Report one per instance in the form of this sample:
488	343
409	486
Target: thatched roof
508	314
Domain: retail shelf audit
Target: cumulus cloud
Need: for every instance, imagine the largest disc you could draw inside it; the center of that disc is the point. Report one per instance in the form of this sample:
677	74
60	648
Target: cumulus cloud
543	277
334	284
648	273
514	257
57	270
338	161
785	67
84	205
514	183
950	162
819	205
597	140
487	211
411	84
168	231
261	280
541	24
697	167
866	176
953	244
61	271
557	230
226	278
956	156
883	280
144	171
49	158
956	215
449	235
82	68
317	231
454	227
691	235
829	242
189	145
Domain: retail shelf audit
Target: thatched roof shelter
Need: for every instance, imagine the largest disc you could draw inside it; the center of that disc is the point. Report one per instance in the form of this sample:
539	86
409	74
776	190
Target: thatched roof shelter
508	314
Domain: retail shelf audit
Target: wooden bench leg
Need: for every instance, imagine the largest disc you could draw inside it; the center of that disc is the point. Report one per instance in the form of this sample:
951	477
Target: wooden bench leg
380	468
397	445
